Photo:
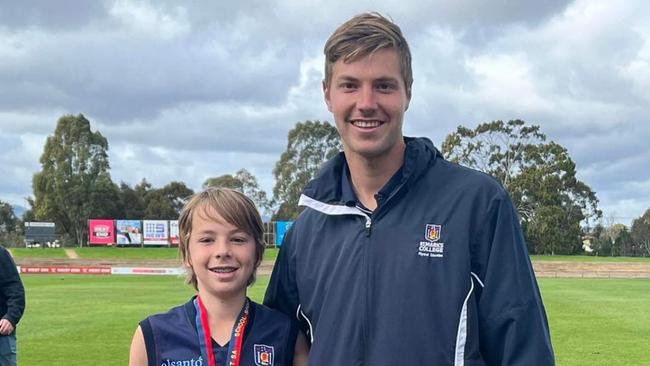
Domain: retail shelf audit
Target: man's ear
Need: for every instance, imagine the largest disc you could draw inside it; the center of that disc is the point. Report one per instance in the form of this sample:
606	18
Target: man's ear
326	95
408	99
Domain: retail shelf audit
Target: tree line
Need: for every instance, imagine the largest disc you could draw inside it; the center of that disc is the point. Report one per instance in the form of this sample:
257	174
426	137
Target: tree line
613	240
74	184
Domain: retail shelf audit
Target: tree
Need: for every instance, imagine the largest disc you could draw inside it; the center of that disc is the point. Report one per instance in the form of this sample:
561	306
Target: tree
28	215
225	181
8	219
641	234
132	204
167	202
540	177
11	233
105	198
244	182
624	242
607	238
309	145
158	207
74	161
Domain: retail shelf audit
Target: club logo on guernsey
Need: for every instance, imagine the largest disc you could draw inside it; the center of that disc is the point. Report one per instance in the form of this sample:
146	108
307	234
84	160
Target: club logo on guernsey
263	355
431	247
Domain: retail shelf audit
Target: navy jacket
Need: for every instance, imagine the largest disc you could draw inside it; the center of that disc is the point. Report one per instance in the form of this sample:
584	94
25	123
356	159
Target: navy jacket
438	274
171	338
12	292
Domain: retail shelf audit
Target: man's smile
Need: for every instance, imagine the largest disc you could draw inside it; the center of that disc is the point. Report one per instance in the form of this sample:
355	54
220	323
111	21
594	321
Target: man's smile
366	123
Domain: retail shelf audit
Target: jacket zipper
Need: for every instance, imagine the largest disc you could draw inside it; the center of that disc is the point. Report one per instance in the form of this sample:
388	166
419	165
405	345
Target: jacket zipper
368	225
366	311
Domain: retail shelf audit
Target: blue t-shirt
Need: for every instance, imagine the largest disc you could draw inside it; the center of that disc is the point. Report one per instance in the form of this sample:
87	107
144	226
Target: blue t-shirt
220	352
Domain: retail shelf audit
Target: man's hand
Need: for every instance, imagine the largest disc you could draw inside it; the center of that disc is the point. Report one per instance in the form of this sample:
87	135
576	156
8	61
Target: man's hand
6	327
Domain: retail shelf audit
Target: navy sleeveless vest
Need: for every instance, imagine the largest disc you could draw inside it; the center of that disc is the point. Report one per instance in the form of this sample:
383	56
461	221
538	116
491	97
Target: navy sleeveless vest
171	338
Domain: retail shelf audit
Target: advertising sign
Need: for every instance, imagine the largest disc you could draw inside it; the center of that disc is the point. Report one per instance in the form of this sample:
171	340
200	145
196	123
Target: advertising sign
66	270
101	232
128	232
39	233
173	232
156	232
281	228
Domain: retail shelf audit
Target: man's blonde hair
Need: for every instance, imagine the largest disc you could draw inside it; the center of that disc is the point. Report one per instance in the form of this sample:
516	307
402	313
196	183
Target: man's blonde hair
234	207
363	35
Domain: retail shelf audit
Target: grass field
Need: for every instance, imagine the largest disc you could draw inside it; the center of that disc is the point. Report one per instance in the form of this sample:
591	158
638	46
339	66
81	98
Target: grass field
113	253
270	254
38	252
599	321
89	320
588	258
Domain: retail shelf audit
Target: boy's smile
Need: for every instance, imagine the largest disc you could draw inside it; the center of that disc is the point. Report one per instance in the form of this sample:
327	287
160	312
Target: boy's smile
222	256
224	272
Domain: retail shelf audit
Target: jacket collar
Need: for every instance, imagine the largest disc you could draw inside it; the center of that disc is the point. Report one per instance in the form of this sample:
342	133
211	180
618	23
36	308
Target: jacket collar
333	186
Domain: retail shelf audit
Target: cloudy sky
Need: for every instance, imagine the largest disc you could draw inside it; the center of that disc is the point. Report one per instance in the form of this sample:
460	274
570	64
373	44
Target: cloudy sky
189	90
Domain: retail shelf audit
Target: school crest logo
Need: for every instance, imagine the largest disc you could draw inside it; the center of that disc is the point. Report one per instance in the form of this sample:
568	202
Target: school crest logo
432	232
431	247
263	355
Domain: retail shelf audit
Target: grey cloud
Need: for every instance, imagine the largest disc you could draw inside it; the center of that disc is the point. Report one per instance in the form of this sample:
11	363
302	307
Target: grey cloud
117	78
60	14
17	167
160	167
197	89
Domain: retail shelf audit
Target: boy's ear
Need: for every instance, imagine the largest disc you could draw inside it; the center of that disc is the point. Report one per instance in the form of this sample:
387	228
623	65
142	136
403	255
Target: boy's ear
187	262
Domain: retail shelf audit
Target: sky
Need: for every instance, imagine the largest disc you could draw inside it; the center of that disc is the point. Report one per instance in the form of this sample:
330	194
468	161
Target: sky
191	90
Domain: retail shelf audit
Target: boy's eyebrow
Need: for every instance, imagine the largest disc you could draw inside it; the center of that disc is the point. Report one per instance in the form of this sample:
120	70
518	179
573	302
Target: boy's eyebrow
239	231
232	232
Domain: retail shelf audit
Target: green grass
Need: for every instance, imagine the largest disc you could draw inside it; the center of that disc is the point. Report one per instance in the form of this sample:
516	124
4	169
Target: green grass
598	321
587	258
86	320
270	254
38	252
89	320
127	253
114	253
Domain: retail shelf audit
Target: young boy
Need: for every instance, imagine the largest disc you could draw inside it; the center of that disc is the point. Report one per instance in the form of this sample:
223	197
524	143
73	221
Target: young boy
221	246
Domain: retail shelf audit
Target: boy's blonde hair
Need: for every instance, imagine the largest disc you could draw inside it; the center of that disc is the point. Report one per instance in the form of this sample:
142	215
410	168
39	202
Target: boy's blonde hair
234	207
363	35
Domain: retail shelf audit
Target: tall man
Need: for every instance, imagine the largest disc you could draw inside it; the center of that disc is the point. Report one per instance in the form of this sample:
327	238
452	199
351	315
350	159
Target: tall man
12	306
401	257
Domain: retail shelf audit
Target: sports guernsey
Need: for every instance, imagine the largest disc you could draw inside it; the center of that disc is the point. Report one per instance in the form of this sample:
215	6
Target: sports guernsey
437	274
172	339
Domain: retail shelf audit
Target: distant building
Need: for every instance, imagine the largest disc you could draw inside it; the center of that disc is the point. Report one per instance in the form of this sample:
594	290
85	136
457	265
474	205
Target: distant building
587	243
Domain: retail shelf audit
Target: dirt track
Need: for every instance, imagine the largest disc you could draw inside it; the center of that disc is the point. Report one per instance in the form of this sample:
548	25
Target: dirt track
592	269
542	268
